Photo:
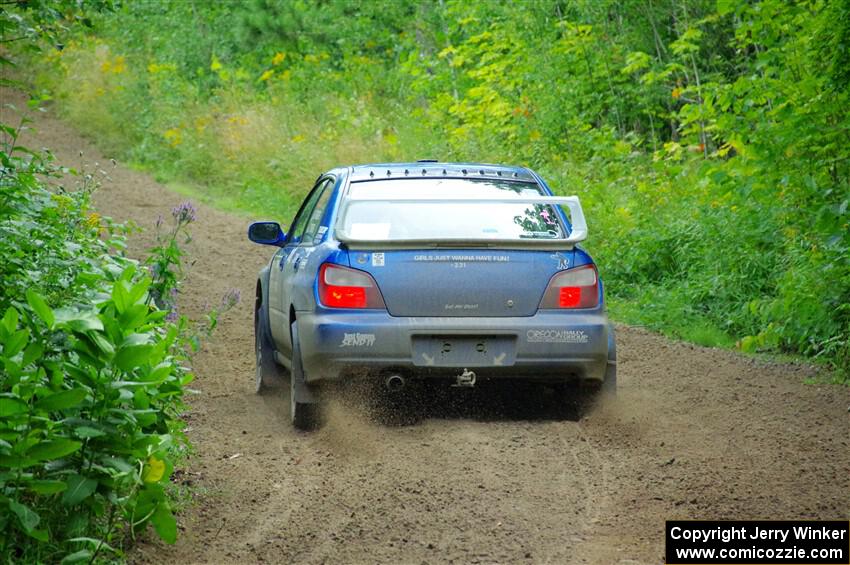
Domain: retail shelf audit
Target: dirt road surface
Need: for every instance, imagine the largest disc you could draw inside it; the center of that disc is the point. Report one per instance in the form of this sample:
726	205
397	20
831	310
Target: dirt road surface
695	433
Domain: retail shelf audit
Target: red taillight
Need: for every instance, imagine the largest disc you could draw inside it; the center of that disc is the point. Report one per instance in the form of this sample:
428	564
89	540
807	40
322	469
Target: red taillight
341	287
573	288
570	297
345	297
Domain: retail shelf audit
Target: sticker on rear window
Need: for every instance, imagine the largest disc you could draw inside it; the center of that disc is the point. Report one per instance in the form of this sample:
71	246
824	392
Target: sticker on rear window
377	259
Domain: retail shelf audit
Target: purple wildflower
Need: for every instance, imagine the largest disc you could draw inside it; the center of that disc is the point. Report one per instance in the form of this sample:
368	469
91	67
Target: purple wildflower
172	315
231	298
184	213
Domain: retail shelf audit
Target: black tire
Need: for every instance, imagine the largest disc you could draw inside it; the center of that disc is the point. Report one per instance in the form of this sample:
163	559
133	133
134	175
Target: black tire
268	372
304	407
609	385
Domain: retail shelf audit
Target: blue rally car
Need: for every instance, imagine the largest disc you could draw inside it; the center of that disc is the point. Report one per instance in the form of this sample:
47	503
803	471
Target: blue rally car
419	270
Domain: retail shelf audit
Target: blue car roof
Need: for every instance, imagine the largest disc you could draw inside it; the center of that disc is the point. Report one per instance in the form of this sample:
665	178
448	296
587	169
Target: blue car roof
377	171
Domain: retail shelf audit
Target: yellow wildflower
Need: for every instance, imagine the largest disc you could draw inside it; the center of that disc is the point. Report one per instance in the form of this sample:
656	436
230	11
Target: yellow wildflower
278	58
201	124
154	68
93	220
119	66
215	65
266	75
173	136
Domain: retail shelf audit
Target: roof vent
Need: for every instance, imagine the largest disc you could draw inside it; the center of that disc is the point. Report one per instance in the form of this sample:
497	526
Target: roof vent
499	173
464	171
424	172
388	172
481	172
371	174
406	172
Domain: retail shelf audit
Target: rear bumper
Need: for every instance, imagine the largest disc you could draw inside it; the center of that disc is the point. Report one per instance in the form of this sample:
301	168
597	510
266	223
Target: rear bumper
549	346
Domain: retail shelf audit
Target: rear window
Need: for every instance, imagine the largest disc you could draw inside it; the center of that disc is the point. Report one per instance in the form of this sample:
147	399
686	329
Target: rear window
387	220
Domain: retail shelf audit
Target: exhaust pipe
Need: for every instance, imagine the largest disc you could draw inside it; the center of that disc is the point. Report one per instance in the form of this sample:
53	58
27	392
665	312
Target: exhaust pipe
395	383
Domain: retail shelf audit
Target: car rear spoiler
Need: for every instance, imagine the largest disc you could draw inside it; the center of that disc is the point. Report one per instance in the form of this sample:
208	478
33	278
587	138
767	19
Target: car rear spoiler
578	230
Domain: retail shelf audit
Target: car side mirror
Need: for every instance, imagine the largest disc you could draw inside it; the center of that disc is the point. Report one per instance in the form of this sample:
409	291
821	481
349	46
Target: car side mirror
266	233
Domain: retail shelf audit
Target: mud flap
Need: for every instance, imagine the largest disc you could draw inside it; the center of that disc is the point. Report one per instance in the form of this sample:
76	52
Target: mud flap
301	391
303	399
268	372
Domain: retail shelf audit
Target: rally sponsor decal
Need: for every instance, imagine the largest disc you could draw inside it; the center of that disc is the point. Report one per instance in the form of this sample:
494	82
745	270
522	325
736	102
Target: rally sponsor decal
357	340
557	336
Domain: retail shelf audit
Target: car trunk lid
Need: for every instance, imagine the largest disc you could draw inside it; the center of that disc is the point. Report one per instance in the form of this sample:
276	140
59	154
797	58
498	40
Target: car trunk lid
461	282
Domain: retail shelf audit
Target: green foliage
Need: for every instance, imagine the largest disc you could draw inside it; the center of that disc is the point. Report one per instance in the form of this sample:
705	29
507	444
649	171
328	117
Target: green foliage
30	21
92	354
708	140
91	376
92	372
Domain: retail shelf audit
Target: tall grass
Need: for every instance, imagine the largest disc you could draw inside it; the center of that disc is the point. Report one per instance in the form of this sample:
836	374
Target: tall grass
255	151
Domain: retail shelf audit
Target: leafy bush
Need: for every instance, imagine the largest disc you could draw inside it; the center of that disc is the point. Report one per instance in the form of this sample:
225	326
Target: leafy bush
92	375
93	356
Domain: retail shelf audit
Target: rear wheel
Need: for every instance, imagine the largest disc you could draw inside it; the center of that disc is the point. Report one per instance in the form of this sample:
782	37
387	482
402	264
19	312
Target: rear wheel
304	409
268	372
609	385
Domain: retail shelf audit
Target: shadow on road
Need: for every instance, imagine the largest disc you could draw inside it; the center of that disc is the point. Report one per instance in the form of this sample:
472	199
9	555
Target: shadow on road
488	401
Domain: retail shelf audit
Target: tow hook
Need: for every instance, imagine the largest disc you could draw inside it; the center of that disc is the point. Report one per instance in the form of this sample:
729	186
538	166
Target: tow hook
466	379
